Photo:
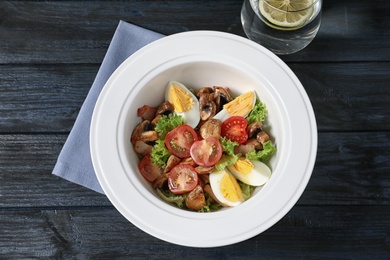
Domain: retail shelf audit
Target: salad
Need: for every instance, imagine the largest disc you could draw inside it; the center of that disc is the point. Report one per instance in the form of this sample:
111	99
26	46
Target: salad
203	150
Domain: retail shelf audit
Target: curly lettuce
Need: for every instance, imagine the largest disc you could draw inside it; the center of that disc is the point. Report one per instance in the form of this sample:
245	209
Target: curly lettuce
160	153
226	160
262	155
227	145
169	197
258	113
229	157
246	190
210	205
167	123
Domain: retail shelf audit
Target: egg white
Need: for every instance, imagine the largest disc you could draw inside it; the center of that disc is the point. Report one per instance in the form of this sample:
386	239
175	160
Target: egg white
222	115
215	179
258	177
192	116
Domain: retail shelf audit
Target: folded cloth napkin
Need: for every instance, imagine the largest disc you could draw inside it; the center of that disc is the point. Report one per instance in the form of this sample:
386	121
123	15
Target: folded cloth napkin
74	162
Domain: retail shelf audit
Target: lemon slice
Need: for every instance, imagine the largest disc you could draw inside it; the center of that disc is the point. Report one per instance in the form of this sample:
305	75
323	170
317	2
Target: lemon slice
286	13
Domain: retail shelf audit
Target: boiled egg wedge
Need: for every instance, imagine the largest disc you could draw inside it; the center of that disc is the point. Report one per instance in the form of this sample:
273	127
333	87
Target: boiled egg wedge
184	102
240	106
251	172
226	188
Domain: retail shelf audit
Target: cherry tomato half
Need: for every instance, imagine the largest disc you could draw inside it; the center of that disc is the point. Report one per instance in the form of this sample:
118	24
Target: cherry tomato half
149	170
206	152
182	178
234	129
179	140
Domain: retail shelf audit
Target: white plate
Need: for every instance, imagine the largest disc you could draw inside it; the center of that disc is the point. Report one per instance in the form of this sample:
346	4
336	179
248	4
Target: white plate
197	59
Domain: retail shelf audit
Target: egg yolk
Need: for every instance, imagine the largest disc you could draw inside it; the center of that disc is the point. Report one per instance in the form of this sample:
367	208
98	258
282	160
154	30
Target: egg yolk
230	188
241	105
243	166
180	99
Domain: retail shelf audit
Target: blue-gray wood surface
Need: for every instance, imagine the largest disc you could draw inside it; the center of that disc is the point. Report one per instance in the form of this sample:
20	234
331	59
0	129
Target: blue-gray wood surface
49	55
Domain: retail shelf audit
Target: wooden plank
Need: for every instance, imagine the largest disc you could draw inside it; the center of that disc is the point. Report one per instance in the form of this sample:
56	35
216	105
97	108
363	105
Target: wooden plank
344	95
42	98
93	233
351	168
350	31
48	98
26	163
75	32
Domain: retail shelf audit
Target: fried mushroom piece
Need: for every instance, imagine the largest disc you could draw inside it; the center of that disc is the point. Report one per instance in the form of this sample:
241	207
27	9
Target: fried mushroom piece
196	199
142	127
253	129
165	108
188	161
221	97
204	90
148	136
248	146
211	127
262	137
203	169
207	106
172	162
156	119
255	143
142	148
160	181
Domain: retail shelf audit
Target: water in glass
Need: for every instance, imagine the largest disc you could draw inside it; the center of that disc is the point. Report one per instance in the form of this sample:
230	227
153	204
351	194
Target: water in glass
282	32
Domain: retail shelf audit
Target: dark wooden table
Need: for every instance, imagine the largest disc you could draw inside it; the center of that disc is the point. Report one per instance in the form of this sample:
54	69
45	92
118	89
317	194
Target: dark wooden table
50	53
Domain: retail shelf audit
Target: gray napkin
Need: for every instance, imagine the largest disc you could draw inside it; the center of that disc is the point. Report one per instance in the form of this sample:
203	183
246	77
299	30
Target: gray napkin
74	162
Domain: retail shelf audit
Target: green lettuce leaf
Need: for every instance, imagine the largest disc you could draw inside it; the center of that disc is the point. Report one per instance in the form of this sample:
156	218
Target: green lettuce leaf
168	123
227	145
258	113
229	157
226	160
246	190
210	205
169	197
160	153
262	155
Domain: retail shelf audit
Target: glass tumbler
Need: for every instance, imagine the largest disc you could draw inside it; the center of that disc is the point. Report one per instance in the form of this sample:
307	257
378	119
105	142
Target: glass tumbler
282	26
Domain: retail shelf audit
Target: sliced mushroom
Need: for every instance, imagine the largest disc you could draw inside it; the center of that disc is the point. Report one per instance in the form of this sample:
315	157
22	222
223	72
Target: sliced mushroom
203	169
156	119
139	129
160	181
148	136
262	137
256	144
207	108
195	199
146	112
248	146
188	161
142	148
204	90
165	108
253	129
221	97
211	127
172	162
